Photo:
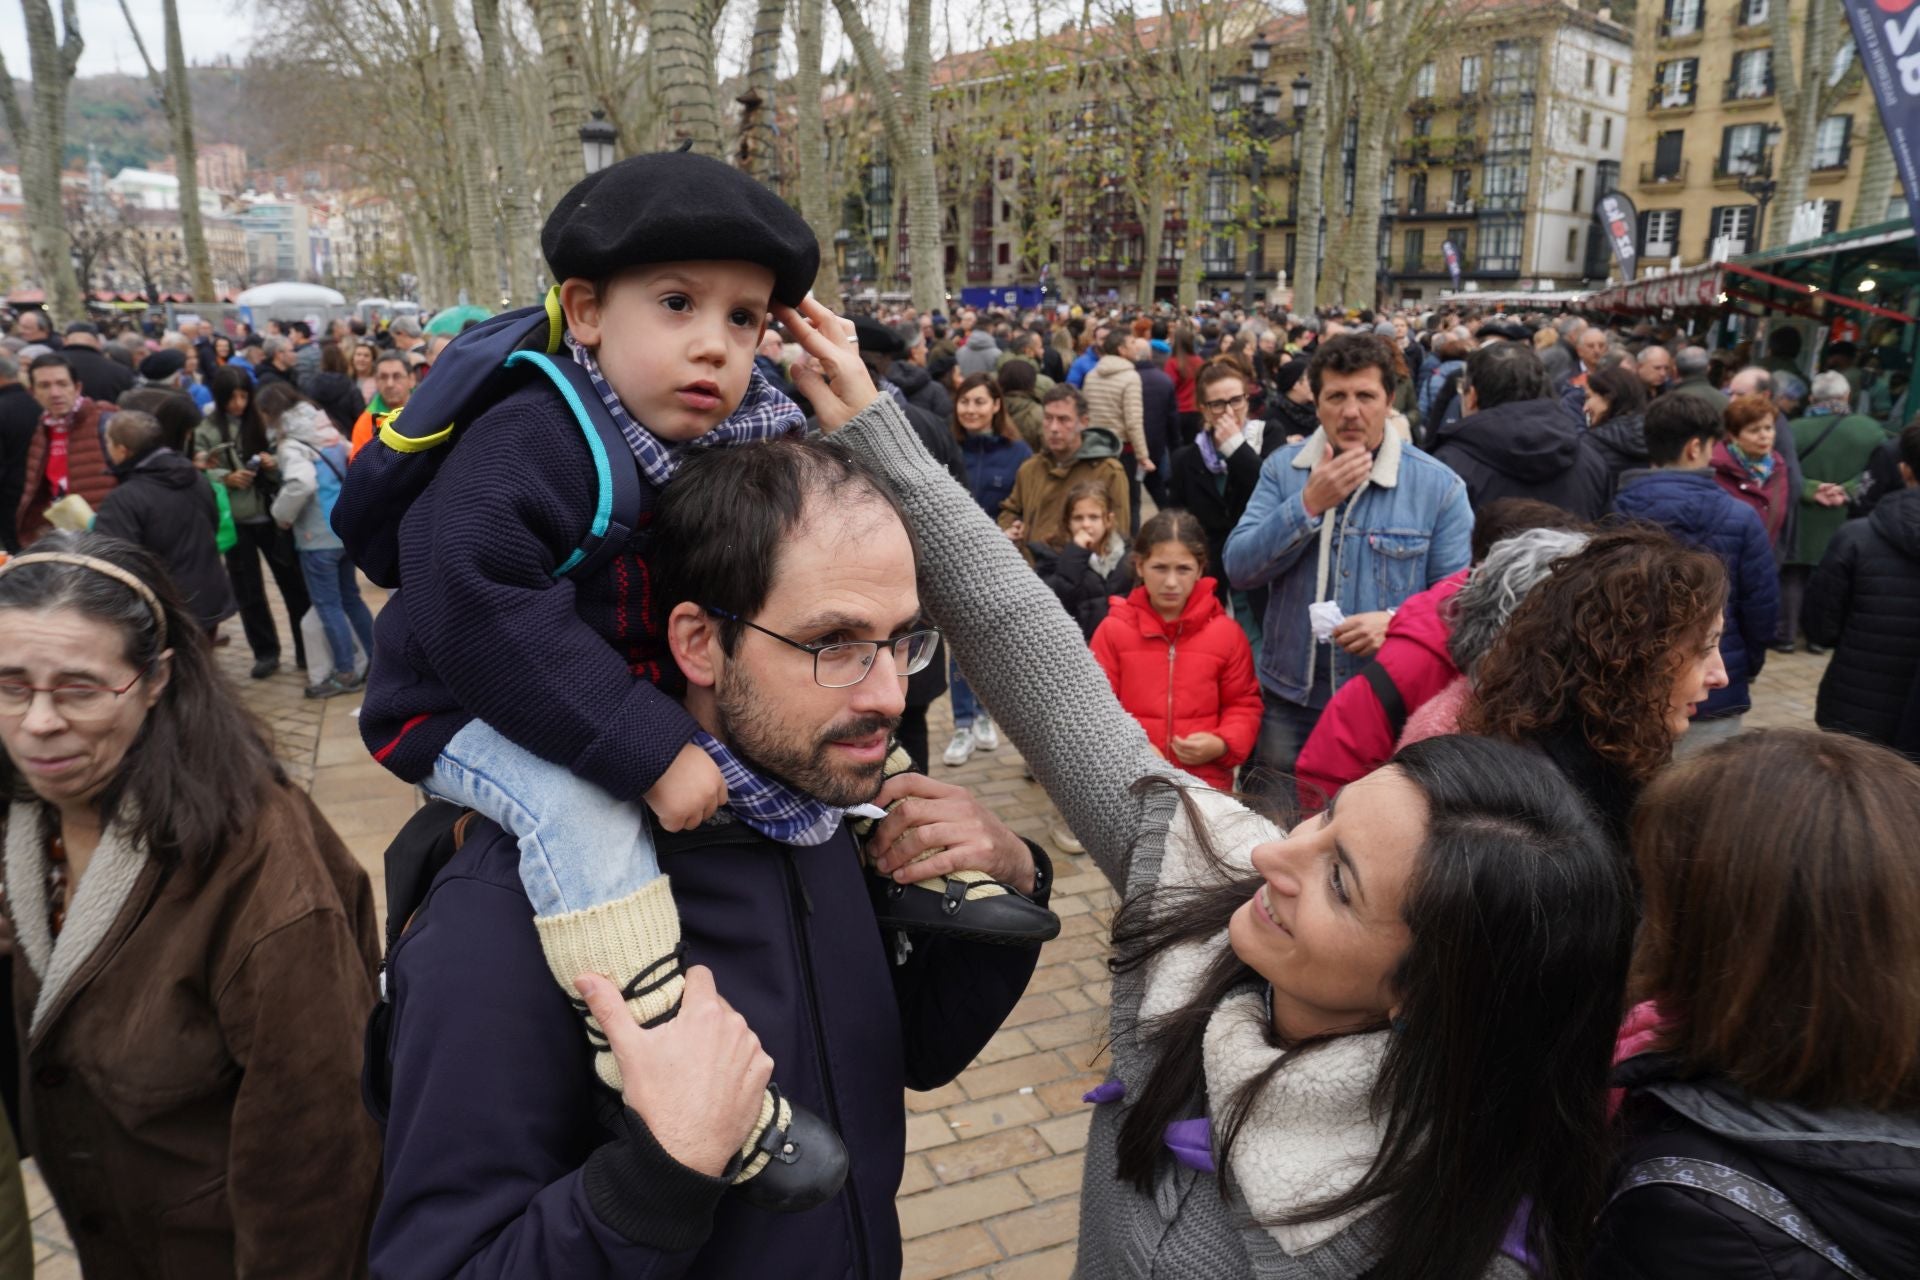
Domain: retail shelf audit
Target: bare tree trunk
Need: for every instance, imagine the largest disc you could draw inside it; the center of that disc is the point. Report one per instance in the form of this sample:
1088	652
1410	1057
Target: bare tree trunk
176	101
1876	173
1805	97
566	93
1311	180
814	205
41	144
759	155
1362	264
478	267
511	180
680	36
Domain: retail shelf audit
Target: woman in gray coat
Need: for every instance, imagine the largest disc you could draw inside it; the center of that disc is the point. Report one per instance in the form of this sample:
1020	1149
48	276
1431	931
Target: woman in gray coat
1377	1044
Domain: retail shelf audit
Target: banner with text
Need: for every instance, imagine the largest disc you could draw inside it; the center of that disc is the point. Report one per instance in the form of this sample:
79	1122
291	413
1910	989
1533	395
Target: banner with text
1887	34
1451	252
1621	220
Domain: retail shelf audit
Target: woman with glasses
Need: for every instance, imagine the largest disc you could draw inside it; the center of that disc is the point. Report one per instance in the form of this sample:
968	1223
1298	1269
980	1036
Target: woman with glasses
194	949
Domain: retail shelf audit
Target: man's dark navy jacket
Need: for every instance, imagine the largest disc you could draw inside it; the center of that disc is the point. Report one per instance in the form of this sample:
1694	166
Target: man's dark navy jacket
498	1162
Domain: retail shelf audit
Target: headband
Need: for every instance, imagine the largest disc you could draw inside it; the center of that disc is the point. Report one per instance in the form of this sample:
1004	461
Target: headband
111	570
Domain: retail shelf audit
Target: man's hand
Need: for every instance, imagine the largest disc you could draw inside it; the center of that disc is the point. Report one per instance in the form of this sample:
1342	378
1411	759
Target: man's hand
1016	532
1146	465
1199	748
833	380
689	791
938	815
1830	495
238	479
1333	478
695	1080
1361	635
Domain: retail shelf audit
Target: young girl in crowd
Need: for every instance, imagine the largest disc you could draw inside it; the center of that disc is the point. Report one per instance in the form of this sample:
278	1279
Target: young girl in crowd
992	449
1093	566
1176	658
1746	465
1603	664
1772	1109
311	458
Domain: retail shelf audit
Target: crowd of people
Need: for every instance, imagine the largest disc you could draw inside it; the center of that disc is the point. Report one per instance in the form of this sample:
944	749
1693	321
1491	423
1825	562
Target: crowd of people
1391	667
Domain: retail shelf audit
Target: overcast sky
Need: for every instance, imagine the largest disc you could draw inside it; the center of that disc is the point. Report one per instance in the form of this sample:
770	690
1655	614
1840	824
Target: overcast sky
208	28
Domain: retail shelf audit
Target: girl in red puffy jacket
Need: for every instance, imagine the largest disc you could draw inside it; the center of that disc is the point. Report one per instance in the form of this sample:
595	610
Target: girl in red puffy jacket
1177	660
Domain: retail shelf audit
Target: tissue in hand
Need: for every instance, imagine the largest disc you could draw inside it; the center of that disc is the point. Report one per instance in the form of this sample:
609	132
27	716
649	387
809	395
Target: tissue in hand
1325	616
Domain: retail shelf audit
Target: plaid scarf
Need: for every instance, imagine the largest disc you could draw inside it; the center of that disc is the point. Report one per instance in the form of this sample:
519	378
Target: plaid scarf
764	414
771	807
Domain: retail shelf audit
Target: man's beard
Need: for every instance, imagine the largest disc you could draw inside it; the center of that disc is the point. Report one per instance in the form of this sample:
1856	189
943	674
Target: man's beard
759	738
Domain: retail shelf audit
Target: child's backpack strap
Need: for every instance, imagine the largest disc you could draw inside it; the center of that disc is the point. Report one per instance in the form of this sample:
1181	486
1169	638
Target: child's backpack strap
616	508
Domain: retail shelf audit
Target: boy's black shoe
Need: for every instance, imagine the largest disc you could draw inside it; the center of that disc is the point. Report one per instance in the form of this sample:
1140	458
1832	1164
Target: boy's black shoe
264	667
806	1165
974	910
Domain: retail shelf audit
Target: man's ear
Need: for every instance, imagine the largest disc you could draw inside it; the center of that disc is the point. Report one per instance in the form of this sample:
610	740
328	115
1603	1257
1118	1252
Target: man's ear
1906	476
693	637
580	302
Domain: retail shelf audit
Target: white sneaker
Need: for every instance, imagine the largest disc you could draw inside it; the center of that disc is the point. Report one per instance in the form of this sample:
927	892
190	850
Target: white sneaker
1063	839
960	750
985	735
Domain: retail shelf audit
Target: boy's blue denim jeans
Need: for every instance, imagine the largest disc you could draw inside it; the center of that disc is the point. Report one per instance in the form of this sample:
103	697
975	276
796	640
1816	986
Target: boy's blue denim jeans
579	847
336	598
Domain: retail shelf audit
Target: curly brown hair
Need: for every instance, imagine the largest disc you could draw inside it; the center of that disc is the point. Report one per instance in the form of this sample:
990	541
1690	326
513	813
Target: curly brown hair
1597	645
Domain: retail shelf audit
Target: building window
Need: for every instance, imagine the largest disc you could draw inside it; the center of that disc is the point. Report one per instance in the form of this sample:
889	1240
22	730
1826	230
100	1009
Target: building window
1830	142
1504	185
1667	162
1591	68
1423	81
1682	19
1740	146
1674	82
1613	78
1416	249
1753	12
1511	127
1752	75
1500	246
1606	132
1579	190
1470	70
1573	245
1461	200
1513	64
1457	236
1220	255
1417	193
1003	254
1586	128
1219	197
1423	126
1292	240
1733	223
1659	233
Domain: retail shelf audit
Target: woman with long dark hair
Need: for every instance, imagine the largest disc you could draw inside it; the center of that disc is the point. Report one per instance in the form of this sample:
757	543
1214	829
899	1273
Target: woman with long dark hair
1772	1108
1395	1020
1603	664
194	947
1184	366
1616	411
231	444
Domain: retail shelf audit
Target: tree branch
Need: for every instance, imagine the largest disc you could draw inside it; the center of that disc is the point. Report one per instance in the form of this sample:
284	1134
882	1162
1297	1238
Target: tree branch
72	44
10	101
153	73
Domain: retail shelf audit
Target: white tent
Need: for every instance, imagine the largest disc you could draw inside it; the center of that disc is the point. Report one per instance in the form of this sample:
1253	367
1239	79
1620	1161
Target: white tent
290	293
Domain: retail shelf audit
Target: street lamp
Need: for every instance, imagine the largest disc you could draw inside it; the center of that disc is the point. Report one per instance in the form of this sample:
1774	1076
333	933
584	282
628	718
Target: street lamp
1262	124
596	142
1759	182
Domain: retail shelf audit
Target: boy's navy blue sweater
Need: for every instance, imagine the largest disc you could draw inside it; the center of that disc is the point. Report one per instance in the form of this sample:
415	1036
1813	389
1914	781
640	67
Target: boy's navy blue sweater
497	1162
570	669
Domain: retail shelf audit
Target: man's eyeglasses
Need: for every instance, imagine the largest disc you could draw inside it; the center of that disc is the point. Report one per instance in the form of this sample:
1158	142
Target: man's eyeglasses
74	701
1222	406
846	663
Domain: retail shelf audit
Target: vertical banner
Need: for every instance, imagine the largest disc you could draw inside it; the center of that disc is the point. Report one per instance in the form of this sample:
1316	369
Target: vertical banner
1621	219
1887	35
1451	252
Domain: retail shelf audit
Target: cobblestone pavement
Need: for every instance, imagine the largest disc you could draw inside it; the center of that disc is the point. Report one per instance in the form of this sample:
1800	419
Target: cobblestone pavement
991	1189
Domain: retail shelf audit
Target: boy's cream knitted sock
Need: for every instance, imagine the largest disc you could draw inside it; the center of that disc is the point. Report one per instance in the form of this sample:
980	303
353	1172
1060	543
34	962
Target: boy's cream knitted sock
979	883
635	943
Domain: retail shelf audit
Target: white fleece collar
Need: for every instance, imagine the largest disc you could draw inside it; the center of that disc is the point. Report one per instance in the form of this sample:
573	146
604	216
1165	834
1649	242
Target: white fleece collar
1386	460
1311	1134
97	901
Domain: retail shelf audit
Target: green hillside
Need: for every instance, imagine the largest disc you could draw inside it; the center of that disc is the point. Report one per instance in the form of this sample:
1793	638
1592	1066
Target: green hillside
121	116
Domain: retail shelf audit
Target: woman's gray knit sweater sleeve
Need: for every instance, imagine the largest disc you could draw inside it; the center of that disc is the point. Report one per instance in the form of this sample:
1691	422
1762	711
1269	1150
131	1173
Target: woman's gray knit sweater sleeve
1021	652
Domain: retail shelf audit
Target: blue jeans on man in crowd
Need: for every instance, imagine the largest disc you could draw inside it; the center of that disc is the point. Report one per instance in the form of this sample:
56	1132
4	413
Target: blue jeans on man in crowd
335	593
966	707
579	846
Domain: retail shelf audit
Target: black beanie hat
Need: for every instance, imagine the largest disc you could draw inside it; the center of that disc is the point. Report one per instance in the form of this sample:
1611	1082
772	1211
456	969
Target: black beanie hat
675	206
163	364
1287	374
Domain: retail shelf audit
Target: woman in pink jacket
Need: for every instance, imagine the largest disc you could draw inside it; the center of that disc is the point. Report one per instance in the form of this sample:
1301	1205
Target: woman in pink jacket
1177	660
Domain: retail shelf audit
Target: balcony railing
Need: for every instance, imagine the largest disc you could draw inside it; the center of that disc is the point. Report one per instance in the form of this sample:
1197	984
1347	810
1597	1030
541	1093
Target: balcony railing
1742	89
1828	161
1460	208
1664	97
1655	174
1728	170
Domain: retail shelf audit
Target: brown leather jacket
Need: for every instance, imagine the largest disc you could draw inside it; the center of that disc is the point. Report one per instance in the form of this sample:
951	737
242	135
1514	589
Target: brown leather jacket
191	1087
89	472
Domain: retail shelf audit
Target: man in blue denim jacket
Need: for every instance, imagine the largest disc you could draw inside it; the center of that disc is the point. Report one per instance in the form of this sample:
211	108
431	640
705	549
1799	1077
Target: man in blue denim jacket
1354	515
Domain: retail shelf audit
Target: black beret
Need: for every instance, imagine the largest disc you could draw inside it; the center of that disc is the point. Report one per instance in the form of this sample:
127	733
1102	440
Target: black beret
163	364
1288	374
876	338
82	326
675	206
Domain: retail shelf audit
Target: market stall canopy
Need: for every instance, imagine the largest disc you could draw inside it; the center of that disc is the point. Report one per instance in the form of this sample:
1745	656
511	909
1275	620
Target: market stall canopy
290	293
1520	300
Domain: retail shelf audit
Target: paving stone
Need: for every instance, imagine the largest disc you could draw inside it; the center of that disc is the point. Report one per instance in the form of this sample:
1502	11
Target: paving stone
970	1201
948	1253
1054	1264
991	1154
1033	1229
992	1114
